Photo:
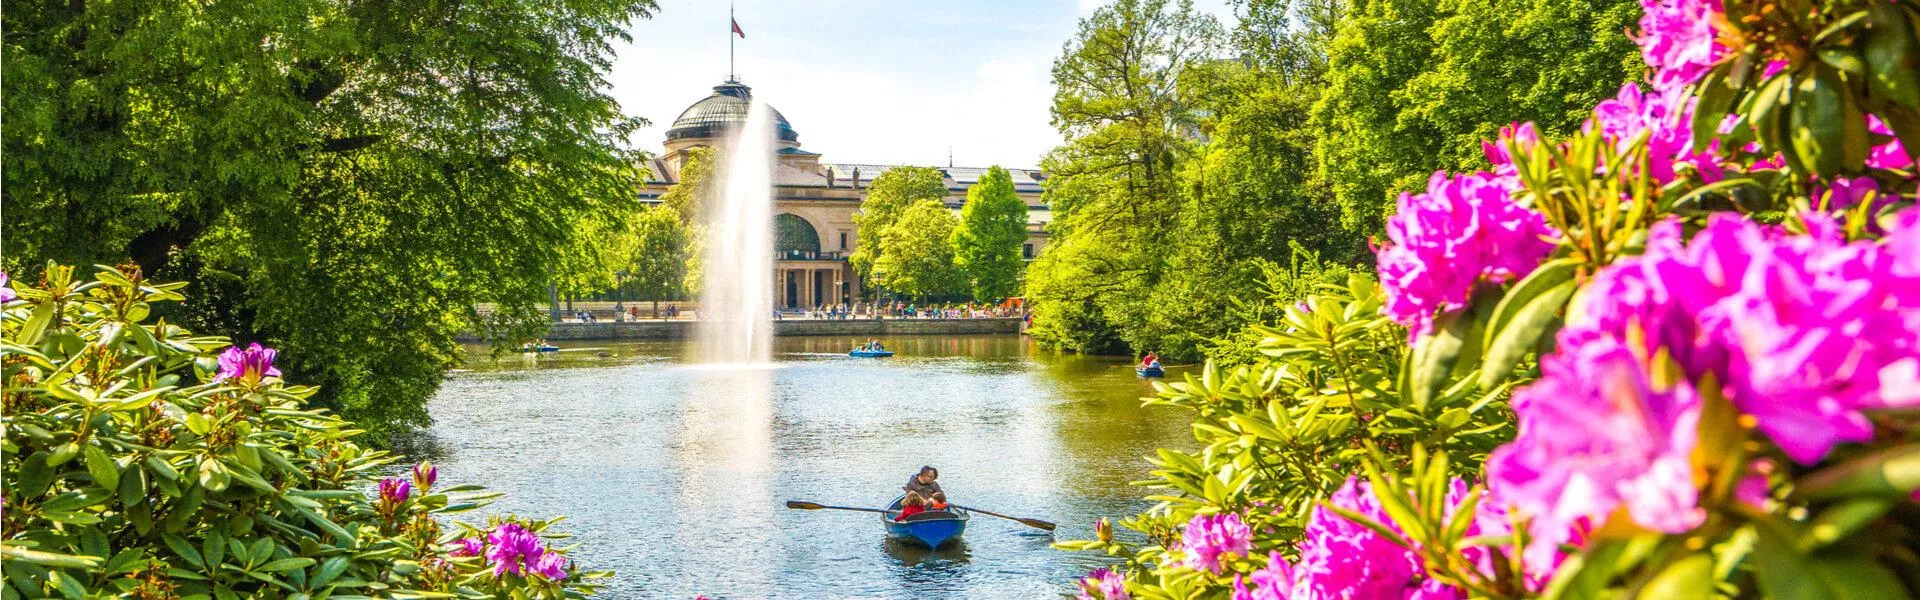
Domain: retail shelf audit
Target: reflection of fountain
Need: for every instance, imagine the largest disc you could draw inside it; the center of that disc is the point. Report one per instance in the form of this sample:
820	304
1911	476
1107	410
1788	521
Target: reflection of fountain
736	299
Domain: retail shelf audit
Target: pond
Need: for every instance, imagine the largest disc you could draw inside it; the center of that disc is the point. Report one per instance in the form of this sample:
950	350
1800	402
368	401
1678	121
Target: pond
675	475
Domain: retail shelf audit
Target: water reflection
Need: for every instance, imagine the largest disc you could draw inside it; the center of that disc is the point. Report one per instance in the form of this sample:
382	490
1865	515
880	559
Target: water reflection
675	476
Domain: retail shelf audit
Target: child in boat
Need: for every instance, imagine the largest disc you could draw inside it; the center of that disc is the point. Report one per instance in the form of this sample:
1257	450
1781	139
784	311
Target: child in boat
1150	360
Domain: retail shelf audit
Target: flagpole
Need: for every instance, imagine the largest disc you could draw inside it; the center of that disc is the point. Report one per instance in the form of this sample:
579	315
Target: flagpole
730	22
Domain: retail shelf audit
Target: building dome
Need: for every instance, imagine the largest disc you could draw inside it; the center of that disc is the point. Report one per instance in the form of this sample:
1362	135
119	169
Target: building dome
726	109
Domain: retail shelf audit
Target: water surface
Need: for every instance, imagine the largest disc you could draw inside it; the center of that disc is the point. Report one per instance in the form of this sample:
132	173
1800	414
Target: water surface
674	475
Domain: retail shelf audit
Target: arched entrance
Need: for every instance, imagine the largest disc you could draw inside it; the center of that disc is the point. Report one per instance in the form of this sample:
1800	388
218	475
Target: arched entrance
794	238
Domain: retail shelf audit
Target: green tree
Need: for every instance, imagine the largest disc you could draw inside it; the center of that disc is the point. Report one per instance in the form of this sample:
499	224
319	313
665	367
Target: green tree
888	197
1127	109
916	254
697	184
986	246
1413	86
660	256
347	179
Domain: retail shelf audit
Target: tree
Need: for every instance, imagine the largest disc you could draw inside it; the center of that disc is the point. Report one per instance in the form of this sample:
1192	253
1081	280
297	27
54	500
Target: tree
347	179
889	196
1414	85
660	256
697	185
916	254
1125	102
986	246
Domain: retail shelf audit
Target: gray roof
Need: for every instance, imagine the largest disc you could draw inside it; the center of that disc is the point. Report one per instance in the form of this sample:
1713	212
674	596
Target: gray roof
713	115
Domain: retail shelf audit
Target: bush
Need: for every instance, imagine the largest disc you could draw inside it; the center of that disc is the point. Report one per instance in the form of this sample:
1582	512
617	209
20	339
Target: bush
1671	356
142	461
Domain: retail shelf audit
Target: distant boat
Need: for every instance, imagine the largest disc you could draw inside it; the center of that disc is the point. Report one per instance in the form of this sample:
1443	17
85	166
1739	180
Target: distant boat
870	353
1153	371
539	348
933	528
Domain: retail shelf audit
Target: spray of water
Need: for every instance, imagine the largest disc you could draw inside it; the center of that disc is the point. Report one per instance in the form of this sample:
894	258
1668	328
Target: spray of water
736	299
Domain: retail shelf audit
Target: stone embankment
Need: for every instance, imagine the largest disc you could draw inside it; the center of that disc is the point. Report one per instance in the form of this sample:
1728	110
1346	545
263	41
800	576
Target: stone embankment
680	329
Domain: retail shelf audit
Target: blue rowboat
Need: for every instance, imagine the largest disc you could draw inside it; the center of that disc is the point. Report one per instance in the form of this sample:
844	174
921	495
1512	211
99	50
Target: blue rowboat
1149	371
869	353
933	528
539	348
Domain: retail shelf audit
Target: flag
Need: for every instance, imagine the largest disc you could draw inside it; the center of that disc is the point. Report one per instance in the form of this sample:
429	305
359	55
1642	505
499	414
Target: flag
736	29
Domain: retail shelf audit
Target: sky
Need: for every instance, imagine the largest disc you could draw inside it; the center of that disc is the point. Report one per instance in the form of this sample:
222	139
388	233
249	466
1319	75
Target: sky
865	81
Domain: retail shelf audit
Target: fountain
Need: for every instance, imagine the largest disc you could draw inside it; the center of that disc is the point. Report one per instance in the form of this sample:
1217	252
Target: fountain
736	302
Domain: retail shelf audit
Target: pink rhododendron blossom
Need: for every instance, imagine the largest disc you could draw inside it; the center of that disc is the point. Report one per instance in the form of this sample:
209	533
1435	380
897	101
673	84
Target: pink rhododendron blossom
6	291
394	490
1665	117
1275	582
1596	435
511	548
1462	231
1680	39
1210	537
1844	193
1523	135
425	475
251	364
1890	155
1104	584
469	547
1343	559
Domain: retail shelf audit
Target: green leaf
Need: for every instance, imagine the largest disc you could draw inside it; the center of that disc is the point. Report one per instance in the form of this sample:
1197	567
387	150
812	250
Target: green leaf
287	564
48	559
213	475
64	453
1511	342
1715	98
1842	520
1435	354
36	325
329	570
183	549
1689	577
67	584
35	475
1828	132
1890	54
105	473
1891	472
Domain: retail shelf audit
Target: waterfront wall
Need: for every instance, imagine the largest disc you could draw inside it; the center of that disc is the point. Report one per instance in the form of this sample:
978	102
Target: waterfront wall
680	329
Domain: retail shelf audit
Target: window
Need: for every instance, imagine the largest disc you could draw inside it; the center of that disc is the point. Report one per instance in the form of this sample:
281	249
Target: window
794	238
1026	251
843	240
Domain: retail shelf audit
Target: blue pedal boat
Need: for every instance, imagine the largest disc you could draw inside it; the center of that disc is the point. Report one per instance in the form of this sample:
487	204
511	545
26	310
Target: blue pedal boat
870	353
1149	371
539	348
933	528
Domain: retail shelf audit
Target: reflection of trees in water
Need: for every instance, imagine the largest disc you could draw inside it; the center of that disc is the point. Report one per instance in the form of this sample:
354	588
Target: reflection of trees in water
993	347
1106	431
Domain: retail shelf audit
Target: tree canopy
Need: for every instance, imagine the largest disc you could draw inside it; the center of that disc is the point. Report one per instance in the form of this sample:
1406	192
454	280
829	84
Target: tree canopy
916	254
661	255
986	246
888	197
346	179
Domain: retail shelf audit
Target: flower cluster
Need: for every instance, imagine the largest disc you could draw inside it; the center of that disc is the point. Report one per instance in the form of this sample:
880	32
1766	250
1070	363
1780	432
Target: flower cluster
6	291
394	490
1343	559
1275	582
1663	116
1464	230
511	548
1209	538
1104	584
1807	332
1682	40
249	365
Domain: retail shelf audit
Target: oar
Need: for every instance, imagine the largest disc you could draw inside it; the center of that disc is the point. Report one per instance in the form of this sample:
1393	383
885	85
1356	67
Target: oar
1028	522
814	506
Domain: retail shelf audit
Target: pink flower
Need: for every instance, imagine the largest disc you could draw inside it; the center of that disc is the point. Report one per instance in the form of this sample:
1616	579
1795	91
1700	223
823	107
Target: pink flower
1465	230
548	564
1522	135
1664	116
1890	155
1104	584
394	490
1596	435
1343	559
1209	537
249	365
469	547
1275	582
1680	39
6	291
424	475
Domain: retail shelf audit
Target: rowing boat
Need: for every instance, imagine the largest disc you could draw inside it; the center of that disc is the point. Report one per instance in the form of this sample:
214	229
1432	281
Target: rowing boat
933	528
870	353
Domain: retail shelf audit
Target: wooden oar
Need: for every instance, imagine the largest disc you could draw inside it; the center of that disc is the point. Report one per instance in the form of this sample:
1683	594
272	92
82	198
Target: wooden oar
814	506
1028	522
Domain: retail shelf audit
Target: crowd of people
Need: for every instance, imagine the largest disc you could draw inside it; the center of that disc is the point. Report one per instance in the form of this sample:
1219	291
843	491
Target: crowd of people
894	309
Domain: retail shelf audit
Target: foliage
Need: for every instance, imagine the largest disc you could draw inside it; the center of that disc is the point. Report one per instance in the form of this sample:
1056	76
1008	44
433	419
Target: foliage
1700	384
986	246
916	255
1127	117
346	179
888	198
143	463
1414	85
1282	287
697	184
661	255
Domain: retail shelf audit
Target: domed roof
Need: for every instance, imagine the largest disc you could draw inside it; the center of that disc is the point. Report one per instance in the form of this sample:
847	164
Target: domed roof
713	115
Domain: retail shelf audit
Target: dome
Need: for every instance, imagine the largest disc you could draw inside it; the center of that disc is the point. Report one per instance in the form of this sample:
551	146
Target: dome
713	115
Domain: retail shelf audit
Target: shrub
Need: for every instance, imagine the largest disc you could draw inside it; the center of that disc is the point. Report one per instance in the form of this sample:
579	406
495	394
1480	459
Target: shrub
142	461
1700	316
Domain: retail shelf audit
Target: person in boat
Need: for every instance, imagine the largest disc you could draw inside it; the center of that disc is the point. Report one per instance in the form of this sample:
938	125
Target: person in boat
923	494
1150	361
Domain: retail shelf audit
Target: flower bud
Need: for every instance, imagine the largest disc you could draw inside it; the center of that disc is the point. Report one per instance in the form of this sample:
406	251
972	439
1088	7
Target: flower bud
1103	531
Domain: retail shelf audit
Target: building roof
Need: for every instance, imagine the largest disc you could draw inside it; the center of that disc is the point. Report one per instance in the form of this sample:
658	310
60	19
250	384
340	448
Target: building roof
726	109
